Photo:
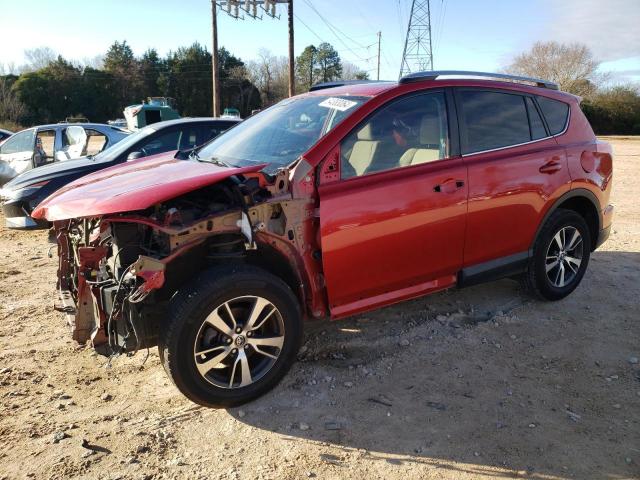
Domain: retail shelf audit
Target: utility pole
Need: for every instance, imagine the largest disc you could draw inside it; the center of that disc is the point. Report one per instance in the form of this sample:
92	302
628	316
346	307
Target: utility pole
418	54
253	9
379	42
214	61
292	85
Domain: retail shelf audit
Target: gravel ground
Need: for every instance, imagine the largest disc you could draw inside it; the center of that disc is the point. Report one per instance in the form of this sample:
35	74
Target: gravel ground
483	382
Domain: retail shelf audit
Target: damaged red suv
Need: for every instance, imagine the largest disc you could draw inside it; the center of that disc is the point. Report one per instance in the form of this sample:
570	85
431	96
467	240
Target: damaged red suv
341	200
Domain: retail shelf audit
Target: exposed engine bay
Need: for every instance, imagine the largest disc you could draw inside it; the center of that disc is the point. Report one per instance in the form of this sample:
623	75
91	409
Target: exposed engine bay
117	272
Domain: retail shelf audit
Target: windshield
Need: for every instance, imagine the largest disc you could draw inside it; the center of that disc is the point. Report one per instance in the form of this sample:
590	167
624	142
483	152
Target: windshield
280	134
123	145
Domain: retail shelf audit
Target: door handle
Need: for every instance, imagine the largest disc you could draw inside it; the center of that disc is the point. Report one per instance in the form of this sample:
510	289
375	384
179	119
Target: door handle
551	166
448	186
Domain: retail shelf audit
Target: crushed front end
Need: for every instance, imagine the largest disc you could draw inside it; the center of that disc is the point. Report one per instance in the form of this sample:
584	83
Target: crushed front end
118	272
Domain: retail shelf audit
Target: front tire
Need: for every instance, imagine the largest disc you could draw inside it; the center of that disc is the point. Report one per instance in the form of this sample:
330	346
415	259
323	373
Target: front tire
560	256
231	335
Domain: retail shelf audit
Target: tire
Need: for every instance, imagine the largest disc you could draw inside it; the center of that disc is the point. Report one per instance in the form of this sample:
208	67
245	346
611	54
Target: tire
190	348
559	229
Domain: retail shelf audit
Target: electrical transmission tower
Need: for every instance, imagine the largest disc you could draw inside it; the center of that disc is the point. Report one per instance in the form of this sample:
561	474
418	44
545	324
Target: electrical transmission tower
417	55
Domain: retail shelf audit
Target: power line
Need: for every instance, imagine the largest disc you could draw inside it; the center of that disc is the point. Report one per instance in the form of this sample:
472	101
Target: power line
335	31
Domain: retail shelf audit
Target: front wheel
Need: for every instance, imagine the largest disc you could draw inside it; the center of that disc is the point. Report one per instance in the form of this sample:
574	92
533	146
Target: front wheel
231	335
560	256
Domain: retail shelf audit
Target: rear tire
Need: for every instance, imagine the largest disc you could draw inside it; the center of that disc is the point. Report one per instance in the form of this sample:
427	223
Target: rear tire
560	256
231	335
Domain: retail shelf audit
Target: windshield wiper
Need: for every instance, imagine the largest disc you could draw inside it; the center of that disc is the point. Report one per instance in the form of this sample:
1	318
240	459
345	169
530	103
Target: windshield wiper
216	161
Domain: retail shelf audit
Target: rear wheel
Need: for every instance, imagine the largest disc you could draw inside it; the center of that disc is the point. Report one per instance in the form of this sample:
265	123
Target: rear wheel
560	256
231	335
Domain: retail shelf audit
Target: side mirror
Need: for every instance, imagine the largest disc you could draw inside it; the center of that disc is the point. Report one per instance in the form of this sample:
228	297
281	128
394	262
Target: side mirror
134	156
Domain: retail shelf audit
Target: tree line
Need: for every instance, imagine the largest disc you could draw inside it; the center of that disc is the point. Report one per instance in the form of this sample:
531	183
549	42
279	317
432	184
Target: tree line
51	88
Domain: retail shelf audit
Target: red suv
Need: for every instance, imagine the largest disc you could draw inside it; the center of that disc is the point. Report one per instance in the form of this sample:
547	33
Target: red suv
341	200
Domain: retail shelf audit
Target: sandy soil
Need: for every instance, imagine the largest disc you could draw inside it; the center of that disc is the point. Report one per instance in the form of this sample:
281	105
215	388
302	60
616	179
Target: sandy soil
477	383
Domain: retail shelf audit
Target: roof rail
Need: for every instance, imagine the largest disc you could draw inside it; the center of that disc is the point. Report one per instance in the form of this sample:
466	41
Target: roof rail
433	75
340	83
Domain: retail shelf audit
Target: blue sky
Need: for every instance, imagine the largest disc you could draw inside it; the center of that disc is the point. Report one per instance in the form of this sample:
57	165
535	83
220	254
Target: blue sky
467	34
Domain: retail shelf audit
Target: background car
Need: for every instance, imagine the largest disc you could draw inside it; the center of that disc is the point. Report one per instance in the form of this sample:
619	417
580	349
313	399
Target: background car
46	144
24	192
4	134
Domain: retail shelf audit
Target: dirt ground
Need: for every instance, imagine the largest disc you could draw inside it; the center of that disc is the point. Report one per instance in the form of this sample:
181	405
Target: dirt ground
476	383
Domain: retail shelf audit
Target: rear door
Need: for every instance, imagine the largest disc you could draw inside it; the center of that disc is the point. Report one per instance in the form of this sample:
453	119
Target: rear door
392	225
515	168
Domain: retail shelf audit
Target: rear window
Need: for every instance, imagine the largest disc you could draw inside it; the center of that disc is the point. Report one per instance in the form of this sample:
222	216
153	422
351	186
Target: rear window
493	120
555	112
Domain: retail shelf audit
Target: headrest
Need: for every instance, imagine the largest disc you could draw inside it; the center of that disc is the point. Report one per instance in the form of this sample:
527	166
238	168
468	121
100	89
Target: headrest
430	130
366	132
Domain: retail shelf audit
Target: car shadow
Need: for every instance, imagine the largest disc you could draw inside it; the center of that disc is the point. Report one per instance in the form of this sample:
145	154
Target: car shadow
484	380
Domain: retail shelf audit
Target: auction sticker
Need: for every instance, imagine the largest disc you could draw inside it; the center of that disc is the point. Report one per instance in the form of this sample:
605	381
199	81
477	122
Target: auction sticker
338	103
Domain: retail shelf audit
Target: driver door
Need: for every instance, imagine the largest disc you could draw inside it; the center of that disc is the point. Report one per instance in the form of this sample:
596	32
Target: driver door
16	155
393	224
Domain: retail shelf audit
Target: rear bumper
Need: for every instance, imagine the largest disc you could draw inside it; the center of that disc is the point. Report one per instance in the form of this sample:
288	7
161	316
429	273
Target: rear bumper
607	219
17	217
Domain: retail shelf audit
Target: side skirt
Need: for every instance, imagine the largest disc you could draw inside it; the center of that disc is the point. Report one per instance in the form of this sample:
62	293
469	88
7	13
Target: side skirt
493	269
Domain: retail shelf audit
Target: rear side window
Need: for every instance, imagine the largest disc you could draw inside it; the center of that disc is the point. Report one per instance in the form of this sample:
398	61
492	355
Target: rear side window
96	142
537	127
492	120
555	112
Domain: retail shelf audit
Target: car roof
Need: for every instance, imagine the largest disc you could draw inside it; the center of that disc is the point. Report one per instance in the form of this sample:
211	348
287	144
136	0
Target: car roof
372	89
367	89
180	121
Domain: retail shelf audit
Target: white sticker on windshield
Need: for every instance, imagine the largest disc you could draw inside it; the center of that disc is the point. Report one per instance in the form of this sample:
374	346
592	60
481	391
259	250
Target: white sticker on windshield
338	103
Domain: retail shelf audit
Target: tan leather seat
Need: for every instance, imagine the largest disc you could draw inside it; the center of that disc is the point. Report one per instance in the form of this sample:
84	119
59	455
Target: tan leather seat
429	143
363	150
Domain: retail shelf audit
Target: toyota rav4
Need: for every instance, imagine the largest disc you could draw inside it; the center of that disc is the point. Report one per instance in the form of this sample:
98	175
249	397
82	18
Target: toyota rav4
344	199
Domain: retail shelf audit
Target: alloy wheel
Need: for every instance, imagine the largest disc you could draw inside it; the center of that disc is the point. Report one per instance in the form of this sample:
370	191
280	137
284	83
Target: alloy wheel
564	256
239	342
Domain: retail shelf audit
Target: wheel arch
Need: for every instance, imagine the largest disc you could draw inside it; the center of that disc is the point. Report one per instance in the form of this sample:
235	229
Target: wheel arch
274	261
581	201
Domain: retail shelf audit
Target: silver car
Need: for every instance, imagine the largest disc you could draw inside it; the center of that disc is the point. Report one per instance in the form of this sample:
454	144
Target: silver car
46	144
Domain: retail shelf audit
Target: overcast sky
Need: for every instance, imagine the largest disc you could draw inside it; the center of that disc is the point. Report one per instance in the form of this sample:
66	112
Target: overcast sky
467	34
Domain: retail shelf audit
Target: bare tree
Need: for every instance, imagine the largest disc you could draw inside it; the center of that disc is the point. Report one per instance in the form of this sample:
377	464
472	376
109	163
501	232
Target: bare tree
11	108
96	62
38	58
353	72
270	74
571	66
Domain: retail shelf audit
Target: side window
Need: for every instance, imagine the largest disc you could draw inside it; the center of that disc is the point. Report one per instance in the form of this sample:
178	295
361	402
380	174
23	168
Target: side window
407	132
537	127
20	142
45	141
188	138
96	142
555	112
164	142
492	120
212	131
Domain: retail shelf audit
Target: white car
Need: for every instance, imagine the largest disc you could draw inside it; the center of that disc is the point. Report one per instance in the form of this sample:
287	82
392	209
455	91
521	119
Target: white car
47	144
